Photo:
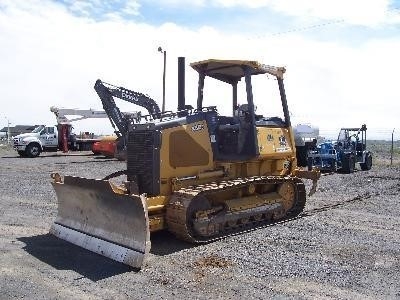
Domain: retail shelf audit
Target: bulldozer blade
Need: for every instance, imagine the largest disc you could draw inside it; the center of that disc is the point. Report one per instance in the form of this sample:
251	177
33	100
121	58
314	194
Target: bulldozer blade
93	216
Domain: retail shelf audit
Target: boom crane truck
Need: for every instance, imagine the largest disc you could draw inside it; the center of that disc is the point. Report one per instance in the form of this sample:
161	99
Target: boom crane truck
196	173
60	137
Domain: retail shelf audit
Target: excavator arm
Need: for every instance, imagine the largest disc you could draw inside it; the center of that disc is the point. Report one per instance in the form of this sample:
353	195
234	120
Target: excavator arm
107	91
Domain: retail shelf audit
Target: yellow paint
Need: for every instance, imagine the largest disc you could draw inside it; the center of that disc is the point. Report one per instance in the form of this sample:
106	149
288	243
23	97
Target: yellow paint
198	131
249	202
269	142
156	222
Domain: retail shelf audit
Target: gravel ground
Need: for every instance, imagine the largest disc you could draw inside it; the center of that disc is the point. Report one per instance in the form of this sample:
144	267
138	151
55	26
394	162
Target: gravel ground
346	245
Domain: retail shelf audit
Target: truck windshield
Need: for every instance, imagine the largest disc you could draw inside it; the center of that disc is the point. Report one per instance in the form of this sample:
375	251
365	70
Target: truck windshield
38	129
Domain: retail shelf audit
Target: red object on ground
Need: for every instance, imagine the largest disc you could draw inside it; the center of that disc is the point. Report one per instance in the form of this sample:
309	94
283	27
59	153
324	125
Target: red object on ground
106	147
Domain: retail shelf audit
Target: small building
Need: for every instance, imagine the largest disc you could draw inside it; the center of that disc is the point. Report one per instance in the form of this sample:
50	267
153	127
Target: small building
18	129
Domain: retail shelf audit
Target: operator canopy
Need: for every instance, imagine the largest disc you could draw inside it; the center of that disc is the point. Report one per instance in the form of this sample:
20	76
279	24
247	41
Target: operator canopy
232	71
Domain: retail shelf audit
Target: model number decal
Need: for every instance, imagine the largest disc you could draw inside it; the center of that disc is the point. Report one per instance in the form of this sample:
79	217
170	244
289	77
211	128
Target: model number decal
128	96
197	127
282	141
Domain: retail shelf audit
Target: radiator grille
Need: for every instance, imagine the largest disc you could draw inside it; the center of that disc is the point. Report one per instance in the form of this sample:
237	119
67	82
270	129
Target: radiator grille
143	160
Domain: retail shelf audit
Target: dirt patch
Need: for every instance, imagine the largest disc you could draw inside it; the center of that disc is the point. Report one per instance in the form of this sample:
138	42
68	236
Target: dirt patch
213	261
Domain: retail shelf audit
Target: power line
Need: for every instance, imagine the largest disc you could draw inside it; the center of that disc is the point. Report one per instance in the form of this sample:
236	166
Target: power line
305	28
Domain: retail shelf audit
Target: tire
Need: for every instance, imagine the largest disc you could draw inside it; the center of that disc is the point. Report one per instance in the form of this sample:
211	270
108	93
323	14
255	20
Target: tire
301	154
348	163
352	163
22	153
310	163
33	150
367	165
334	165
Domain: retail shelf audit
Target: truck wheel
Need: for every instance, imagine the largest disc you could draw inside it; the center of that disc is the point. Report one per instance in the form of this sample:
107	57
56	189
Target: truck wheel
367	165
352	163
33	150
22	153
333	165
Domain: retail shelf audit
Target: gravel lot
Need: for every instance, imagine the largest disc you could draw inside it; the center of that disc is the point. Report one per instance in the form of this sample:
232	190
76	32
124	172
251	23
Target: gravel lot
345	245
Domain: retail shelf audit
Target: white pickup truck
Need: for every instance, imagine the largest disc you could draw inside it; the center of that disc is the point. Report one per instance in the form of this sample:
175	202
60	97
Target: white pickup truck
45	139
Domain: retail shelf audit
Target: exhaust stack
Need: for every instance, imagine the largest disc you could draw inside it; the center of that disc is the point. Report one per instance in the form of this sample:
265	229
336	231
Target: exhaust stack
181	83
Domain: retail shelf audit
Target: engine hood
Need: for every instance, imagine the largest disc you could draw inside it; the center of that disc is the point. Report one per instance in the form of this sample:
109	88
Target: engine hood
26	135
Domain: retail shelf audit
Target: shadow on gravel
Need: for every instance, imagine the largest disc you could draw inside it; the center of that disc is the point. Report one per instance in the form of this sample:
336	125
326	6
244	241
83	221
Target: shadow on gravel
50	155
105	157
11	157
65	256
164	243
84	162
64	154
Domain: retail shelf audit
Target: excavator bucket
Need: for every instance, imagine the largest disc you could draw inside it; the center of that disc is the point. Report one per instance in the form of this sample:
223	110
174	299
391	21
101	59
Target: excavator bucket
93	215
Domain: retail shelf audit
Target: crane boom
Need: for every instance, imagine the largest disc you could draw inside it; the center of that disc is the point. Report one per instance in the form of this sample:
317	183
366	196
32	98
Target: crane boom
62	113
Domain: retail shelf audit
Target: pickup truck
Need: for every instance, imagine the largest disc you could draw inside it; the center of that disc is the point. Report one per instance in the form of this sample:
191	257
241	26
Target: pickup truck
46	139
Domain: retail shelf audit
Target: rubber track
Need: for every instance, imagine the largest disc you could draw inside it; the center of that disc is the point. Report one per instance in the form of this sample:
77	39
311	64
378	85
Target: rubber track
176	214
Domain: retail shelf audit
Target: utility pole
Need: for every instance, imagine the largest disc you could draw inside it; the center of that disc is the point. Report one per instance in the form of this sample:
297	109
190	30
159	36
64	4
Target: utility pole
391	151
164	71
8	130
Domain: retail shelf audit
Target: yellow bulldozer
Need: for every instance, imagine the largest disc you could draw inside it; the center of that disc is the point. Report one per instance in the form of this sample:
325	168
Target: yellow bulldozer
196	173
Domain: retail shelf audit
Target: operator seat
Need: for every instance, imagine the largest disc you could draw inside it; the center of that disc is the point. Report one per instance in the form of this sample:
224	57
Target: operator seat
244	118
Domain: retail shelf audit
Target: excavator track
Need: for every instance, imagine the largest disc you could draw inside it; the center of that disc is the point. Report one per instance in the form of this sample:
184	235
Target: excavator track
190	215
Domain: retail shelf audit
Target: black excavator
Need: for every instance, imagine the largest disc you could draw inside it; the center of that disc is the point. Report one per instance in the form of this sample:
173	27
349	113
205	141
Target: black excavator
120	120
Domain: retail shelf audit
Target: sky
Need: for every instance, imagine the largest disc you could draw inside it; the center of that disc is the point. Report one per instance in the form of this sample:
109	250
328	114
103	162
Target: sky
341	57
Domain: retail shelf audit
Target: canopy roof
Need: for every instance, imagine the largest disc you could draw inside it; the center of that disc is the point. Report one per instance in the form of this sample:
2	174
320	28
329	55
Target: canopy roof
231	71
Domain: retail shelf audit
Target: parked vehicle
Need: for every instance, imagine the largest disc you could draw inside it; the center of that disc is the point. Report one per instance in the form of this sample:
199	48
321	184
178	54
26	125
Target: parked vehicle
305	139
46	139
59	137
115	146
343	154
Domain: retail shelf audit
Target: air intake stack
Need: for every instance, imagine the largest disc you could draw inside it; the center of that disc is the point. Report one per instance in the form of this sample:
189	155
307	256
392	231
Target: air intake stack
181	83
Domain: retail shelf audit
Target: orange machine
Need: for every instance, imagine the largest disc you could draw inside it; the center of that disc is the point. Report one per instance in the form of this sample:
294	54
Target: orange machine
106	146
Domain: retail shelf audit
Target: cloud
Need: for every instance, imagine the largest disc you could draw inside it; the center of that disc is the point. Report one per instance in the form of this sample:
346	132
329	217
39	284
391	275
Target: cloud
52	56
355	12
131	8
103	9
177	3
